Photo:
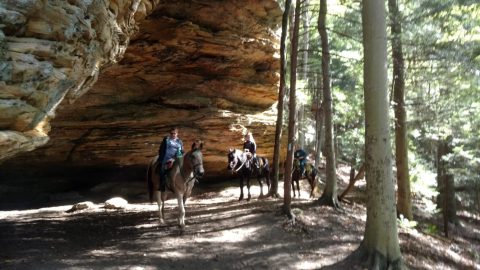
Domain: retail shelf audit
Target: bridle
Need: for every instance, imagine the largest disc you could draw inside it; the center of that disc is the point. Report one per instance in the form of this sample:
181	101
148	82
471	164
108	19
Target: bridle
236	158
193	165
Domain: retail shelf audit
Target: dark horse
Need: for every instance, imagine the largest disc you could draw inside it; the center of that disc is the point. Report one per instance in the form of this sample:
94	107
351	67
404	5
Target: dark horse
180	180
310	173
242	163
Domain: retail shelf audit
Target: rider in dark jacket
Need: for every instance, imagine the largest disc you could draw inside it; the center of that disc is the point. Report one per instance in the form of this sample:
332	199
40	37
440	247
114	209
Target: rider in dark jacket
252	147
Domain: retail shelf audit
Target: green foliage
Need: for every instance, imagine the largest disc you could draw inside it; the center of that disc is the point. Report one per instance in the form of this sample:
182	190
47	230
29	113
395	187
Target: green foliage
441	45
431	229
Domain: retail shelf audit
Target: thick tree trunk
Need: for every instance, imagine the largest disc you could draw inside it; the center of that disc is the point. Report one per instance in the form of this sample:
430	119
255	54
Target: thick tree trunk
404	199
291	115
329	195
380	247
281	97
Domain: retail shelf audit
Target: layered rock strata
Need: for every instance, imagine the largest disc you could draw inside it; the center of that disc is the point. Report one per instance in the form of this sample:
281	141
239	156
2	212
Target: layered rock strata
208	67
51	50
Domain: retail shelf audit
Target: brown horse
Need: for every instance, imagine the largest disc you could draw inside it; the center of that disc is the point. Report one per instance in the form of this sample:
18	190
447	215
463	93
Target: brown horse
310	174
180	180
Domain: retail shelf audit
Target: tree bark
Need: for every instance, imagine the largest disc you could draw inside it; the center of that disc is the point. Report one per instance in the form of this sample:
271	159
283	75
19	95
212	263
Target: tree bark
329	196
291	115
319	122
445	184
404	198
380	247
353	179
281	97
301	125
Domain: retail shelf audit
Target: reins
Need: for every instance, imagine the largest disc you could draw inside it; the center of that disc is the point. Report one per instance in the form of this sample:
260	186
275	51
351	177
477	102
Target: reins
182	173
246	160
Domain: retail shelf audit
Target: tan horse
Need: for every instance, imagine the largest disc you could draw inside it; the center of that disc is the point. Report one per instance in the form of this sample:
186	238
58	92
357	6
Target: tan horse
180	180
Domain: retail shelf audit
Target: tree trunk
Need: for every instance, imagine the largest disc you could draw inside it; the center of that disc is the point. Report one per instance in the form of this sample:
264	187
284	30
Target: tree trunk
380	247
305	40
281	94
291	115
301	124
300	131
318	120
353	179
404	199
329	195
445	185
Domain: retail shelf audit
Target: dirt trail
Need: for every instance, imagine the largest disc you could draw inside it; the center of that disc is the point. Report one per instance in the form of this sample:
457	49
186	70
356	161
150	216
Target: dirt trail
220	233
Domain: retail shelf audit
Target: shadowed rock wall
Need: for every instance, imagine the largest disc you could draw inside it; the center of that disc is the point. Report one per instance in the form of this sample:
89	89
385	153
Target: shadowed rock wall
208	67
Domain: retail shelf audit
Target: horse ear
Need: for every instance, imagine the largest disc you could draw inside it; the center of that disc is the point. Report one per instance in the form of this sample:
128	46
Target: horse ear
230	150
195	147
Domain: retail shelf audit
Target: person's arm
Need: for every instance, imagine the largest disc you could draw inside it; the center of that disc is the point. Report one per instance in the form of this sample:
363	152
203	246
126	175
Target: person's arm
254	148
162	149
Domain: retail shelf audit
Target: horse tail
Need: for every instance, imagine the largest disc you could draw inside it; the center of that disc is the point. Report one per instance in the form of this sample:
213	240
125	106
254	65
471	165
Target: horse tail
150	181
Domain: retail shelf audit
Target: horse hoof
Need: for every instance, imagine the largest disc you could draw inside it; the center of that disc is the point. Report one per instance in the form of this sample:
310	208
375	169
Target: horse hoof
162	221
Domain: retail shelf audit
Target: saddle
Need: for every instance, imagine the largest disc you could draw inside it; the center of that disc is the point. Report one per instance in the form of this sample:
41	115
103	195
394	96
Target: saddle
169	164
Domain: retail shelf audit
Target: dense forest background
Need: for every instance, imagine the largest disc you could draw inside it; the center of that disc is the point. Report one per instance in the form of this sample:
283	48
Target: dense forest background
441	51
338	52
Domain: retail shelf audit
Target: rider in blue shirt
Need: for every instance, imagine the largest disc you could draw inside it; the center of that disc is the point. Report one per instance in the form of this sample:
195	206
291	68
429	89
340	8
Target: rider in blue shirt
170	148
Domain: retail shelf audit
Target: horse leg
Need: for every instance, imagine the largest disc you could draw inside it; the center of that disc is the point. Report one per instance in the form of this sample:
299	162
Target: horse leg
241	188
293	187
181	211
311	179
259	179
161	205
298	187
248	189
267	179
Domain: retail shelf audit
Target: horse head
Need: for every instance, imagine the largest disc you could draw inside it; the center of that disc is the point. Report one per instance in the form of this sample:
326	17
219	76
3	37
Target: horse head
195	158
232	159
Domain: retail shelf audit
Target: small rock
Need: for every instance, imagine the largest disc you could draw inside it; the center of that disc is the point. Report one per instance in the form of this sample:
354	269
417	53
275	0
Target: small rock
81	206
116	203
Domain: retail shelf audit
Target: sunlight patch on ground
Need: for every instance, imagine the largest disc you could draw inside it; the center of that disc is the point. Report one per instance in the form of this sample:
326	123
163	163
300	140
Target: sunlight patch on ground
103	252
230	192
231	236
145	226
306	265
46	210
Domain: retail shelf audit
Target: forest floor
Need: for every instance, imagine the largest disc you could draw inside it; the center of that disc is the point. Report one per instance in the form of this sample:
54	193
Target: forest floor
223	233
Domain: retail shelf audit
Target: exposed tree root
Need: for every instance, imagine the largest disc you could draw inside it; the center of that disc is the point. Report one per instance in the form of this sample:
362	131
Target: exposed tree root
374	260
329	201
288	212
273	194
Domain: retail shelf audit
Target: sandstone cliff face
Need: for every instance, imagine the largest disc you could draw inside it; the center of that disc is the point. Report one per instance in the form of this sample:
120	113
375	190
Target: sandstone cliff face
207	67
54	49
